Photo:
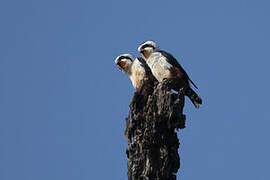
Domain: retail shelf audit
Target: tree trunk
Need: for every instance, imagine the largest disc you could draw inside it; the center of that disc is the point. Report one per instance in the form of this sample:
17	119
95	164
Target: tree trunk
155	113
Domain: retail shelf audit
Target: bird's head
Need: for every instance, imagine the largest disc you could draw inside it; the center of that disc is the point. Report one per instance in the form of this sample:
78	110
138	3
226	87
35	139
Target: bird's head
147	48
124	62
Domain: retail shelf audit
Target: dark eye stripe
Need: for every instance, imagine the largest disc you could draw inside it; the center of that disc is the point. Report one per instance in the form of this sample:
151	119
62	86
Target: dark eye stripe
124	57
147	45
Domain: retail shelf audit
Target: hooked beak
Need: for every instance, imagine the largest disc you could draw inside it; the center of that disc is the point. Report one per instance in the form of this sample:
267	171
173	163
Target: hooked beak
118	65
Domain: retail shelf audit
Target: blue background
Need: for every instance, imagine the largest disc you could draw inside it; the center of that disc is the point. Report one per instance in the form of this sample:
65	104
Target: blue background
63	102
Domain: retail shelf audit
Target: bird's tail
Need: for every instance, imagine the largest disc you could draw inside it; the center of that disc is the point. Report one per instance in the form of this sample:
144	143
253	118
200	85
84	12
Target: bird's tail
193	96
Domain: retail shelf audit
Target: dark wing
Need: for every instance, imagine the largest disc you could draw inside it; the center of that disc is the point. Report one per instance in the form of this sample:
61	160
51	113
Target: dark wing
175	63
145	66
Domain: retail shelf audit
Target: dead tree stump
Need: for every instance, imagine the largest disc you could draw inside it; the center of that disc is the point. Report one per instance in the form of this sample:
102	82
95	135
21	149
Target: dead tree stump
155	113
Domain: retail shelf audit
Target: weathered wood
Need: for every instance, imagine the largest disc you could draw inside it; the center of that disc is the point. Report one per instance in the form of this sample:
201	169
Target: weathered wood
155	113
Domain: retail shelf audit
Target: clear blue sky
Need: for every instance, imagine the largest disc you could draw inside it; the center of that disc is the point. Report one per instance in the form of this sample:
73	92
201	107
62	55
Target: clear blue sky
63	102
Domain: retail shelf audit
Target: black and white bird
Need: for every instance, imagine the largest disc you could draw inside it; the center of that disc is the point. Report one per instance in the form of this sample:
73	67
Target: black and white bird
164	66
136	69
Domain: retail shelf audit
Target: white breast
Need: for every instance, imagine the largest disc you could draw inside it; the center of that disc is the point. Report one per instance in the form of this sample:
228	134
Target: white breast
159	66
137	73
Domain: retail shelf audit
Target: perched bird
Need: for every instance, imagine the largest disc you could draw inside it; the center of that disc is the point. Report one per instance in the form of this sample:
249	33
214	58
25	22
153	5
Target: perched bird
164	66
136	69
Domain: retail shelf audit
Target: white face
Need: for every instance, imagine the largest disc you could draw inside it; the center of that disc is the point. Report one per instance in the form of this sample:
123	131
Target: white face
124	62
146	52
147	48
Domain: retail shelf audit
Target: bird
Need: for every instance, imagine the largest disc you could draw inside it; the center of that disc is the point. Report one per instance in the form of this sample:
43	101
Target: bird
164	66
135	68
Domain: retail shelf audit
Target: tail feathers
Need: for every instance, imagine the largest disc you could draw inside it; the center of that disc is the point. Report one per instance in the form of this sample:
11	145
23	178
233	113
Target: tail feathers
193	96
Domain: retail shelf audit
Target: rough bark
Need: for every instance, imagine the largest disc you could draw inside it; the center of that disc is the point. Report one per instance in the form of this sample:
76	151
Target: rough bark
155	113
